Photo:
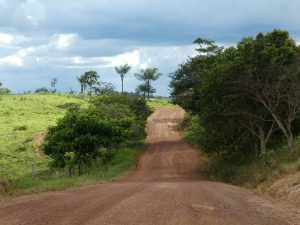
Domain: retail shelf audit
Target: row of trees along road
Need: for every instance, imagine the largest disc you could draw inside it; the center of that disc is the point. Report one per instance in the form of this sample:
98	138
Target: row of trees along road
245	98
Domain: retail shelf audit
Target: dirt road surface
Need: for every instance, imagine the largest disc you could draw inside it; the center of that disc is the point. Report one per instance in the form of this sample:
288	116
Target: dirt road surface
165	189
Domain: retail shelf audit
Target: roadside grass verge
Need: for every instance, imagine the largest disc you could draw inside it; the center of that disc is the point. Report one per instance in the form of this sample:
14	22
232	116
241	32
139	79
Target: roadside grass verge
122	163
258	174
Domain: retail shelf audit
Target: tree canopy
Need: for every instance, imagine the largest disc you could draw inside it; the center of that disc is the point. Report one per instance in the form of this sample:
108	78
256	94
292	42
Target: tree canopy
247	97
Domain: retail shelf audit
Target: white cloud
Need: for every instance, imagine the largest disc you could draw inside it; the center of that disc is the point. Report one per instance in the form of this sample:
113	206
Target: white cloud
6	38
16	59
65	40
13	60
130	58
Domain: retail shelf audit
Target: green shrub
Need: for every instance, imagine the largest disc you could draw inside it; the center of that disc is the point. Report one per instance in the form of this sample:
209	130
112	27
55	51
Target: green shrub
84	136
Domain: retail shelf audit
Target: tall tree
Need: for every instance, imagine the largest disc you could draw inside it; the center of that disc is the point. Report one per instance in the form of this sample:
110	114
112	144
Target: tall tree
148	75
82	80
122	70
88	79
53	85
91	79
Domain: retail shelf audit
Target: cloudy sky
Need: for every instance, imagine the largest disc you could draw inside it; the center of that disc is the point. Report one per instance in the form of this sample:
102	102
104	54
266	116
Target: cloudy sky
42	39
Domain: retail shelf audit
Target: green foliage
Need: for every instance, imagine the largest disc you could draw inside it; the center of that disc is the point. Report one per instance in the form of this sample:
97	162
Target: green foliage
122	70
246	97
42	90
136	104
87	135
53	85
103	88
147	75
88	79
122	161
4	91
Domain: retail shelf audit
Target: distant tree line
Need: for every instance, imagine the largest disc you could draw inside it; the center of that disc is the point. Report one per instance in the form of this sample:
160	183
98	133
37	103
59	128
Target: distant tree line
244	99
4	90
90	83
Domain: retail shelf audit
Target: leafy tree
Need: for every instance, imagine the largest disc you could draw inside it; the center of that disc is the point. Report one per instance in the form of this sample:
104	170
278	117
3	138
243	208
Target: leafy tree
88	79
186	80
4	91
87	135
148	75
91	79
83	132
82	81
104	88
246	96
42	90
143	89
122	70
53	85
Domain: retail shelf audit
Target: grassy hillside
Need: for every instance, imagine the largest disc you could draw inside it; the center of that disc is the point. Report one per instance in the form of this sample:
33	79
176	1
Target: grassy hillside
23	121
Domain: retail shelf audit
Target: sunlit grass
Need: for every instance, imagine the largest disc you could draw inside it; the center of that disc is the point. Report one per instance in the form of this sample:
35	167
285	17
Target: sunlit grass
160	102
21	116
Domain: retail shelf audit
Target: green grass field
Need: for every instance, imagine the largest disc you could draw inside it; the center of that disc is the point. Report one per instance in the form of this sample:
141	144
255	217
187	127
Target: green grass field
23	119
160	102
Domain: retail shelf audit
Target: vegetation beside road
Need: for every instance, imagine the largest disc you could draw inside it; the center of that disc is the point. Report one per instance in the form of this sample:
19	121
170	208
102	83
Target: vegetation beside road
255	174
25	120
244	106
121	163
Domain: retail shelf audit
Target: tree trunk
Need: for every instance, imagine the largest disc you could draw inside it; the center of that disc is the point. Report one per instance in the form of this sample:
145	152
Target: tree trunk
148	83
286	132
290	139
122	85
263	147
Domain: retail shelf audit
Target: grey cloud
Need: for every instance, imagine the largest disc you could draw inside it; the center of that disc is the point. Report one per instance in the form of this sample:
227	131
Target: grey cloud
161	30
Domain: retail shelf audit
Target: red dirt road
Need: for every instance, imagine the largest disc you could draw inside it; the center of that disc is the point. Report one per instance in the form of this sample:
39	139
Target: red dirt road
165	189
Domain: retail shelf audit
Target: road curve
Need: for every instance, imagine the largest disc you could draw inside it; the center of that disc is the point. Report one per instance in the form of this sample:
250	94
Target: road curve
165	189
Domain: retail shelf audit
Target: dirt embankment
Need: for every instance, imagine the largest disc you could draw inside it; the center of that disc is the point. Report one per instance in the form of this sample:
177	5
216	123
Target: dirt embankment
164	190
287	189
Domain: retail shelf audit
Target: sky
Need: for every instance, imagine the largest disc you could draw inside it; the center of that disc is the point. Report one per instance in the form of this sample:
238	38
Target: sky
43	39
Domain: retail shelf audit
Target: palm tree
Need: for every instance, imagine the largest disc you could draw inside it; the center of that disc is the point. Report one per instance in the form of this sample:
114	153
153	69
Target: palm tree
122	70
148	75
82	81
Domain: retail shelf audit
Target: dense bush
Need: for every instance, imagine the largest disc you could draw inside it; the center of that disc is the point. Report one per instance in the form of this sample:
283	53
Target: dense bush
246	97
94	134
